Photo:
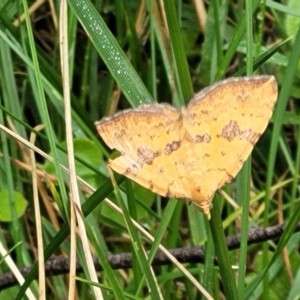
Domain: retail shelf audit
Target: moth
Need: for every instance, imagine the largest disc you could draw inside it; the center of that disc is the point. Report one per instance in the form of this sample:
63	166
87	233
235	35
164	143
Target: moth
192	151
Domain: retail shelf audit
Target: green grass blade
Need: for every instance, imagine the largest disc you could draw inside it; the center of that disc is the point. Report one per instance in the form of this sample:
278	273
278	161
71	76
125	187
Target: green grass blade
111	53
181	66
222	254
138	248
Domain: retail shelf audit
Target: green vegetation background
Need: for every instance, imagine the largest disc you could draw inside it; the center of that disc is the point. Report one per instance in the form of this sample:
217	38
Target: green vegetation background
122	54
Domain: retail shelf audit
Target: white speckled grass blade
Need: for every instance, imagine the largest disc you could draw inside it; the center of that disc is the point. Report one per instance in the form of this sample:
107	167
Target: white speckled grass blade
111	53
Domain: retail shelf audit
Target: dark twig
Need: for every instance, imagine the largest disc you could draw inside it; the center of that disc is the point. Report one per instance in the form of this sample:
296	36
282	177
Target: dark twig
195	254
